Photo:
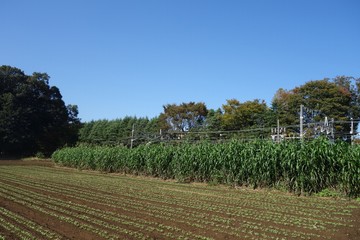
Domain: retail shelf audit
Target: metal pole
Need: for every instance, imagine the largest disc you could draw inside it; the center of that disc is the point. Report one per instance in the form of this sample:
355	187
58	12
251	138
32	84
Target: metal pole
278	131
301	121
132	136
352	131
332	129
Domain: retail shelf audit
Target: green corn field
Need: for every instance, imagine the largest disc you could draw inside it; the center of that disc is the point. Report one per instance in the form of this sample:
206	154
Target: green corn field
299	167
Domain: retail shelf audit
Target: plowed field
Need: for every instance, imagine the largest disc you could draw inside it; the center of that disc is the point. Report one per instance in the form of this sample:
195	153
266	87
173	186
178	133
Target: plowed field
41	201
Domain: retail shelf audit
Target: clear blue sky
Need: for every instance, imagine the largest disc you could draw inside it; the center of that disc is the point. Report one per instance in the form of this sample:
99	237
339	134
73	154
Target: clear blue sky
115	58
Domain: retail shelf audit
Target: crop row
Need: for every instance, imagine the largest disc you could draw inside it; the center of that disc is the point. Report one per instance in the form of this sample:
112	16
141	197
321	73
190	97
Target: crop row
122	205
144	191
309	207
121	183
17	224
60	212
191	199
72	207
301	167
140	210
22	234
275	214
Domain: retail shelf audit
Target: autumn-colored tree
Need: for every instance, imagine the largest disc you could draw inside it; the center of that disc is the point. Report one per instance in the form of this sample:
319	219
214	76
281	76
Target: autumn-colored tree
183	117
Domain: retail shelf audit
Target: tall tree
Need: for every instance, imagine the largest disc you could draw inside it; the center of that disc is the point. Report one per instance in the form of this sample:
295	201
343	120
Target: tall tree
213	120
337	98
183	117
118	131
352	86
249	114
33	116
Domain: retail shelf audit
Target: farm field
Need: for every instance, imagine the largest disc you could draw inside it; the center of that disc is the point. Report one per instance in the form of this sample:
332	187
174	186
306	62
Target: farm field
41	201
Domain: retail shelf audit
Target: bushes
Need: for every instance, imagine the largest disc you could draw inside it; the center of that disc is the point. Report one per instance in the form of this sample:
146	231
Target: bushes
301	167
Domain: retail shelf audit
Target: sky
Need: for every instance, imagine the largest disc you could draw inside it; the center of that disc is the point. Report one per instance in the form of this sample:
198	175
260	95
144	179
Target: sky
117	58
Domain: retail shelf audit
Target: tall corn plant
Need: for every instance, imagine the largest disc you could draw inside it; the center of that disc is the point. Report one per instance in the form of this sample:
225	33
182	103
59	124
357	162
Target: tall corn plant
184	164
158	159
350	172
303	167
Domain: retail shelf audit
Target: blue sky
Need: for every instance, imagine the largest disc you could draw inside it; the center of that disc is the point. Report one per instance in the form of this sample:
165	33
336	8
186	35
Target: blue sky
130	57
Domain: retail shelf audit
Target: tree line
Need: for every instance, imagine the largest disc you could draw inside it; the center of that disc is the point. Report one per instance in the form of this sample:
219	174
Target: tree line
337	98
118	131
34	118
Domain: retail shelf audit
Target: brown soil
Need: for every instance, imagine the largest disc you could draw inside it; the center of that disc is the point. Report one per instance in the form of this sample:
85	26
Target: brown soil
29	162
70	231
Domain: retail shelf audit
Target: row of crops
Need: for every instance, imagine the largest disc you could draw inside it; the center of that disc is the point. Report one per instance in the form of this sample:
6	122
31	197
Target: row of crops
303	168
51	203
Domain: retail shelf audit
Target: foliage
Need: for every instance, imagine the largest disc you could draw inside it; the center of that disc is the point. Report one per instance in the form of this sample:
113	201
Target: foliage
328	193
245	115
33	116
183	117
118	131
213	120
337	98
303	168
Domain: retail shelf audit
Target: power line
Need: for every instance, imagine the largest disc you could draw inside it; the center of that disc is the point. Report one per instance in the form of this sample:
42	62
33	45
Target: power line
310	129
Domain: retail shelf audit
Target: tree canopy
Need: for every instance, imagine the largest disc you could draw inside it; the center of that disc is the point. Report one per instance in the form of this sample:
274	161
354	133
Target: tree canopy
33	116
183	117
337	98
249	114
118	131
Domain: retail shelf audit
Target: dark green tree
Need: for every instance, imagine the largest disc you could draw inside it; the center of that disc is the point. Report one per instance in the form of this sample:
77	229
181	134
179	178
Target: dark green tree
33	116
213	120
118	131
239	116
336	98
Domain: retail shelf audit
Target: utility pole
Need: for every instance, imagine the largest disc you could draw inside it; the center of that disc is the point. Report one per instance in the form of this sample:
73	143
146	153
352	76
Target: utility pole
332	129
132	136
301	121
278	131
352	131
